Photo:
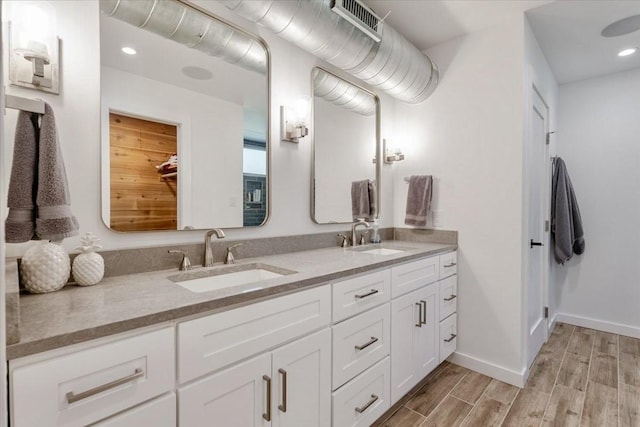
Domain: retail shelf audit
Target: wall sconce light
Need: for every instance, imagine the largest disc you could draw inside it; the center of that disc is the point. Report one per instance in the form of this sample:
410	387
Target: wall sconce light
292	122
391	154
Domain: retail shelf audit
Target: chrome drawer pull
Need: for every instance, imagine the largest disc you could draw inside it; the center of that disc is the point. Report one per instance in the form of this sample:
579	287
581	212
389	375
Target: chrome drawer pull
283	407
363	346
451	298
453	264
267	415
72	397
451	338
419	324
368	294
424	312
369	403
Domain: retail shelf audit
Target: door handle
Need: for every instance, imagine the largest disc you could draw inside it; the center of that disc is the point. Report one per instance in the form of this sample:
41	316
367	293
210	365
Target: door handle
283	407
368	294
373	340
423	312
373	400
451	298
535	243
73	397
419	324
267	415
451	338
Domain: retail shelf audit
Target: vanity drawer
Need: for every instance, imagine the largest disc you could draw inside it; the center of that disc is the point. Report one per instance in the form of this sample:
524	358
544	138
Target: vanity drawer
360	342
213	342
448	296
411	276
448	264
353	296
160	412
364	399
83	387
448	333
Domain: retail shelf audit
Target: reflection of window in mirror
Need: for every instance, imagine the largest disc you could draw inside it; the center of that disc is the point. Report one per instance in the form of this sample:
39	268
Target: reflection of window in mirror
254	178
144	174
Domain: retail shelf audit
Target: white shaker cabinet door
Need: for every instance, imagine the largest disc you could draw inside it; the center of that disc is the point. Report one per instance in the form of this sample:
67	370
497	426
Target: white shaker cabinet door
235	397
302	382
428	348
405	319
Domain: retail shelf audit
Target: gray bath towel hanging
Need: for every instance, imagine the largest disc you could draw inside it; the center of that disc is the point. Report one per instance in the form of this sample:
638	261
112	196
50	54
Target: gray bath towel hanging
360	202
418	200
566	222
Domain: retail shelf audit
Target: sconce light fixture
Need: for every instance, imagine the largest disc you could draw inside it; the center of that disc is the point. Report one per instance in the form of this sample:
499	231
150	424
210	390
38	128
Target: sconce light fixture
391	154
292	122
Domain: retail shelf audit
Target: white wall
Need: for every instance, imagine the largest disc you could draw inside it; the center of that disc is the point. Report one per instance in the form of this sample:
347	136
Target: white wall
468	135
78	118
210	143
344	147
598	137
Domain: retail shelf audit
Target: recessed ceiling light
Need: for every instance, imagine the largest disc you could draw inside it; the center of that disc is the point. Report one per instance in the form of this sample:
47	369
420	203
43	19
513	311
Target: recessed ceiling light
129	50
627	52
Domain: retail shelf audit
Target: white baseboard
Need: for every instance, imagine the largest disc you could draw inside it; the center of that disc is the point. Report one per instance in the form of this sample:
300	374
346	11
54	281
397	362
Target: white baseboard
600	325
552	323
492	370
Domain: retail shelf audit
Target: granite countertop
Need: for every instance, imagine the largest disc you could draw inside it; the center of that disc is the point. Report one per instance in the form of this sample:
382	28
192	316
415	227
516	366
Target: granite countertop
76	314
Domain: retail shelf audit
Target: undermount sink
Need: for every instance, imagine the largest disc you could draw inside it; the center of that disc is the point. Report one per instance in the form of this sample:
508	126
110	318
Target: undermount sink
382	251
226	277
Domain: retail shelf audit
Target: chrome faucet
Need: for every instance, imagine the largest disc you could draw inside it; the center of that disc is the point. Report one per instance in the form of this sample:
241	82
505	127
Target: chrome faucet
208	253
359	222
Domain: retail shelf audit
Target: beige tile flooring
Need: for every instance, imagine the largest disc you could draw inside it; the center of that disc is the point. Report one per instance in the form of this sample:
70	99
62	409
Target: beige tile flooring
581	377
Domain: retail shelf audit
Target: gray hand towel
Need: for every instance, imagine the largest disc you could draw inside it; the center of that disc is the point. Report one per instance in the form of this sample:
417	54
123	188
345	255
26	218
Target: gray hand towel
54	221
20	223
566	222
360	203
418	200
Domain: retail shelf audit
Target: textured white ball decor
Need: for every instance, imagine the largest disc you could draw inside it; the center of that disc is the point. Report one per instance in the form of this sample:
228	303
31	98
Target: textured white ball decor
45	267
88	267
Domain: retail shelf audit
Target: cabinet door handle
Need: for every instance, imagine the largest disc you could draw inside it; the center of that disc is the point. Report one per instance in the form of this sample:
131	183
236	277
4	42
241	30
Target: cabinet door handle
363	346
72	397
419	324
369	403
368	294
451	338
423	312
283	407
267	415
451	298
452	264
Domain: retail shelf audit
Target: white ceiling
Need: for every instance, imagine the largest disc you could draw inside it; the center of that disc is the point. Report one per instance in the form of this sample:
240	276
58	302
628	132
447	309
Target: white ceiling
569	35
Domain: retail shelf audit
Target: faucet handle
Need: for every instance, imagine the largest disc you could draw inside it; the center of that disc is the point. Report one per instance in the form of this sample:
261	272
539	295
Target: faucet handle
230	259
185	264
345	241
362	241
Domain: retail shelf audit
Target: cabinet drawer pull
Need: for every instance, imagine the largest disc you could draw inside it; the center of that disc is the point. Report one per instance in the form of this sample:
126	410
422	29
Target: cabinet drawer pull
363	346
373	400
368	294
451	338
267	415
423	312
453	264
419	324
451	298
283	407
72	397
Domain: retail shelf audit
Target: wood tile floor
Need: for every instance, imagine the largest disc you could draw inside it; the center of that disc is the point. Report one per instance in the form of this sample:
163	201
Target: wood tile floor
581	377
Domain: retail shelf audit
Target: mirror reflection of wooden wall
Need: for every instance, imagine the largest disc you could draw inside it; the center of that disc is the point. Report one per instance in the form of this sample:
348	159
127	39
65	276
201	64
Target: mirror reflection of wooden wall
142	199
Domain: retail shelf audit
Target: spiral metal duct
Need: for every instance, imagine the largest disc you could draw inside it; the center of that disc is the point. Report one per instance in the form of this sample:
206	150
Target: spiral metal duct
176	21
393	65
342	93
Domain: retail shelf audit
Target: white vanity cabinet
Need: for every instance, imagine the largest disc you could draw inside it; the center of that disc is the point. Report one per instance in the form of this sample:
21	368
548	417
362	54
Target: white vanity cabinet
288	387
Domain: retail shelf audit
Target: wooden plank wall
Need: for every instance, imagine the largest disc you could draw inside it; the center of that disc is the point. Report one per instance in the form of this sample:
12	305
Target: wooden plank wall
140	199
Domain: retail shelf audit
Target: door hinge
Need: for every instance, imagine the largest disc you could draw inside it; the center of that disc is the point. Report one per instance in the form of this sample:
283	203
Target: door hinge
546	312
549	137
546	226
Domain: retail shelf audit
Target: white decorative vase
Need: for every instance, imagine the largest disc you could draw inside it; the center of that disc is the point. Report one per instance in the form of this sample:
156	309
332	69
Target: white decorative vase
88	267
45	268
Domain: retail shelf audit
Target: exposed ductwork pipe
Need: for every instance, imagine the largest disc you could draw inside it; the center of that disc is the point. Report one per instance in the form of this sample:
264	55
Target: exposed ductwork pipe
393	65
342	93
176	21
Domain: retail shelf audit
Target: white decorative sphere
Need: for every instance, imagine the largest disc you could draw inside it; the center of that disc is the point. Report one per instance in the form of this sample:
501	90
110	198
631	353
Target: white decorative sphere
45	268
88	268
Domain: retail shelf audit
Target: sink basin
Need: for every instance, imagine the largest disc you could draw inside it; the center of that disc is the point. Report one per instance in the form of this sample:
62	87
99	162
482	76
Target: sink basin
226	277
382	251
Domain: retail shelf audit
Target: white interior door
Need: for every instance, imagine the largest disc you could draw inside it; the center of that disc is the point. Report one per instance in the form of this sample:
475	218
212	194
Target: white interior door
536	171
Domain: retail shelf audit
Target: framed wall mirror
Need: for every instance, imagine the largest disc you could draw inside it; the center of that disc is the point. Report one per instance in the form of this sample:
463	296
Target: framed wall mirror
346	150
185	121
